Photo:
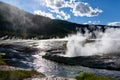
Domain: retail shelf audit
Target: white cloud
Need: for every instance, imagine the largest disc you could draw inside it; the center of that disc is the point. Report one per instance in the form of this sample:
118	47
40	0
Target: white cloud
84	9
77	8
55	4
61	13
59	17
114	24
42	13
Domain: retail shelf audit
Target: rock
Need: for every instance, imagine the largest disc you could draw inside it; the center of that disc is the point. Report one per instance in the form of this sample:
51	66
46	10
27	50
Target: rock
100	62
52	78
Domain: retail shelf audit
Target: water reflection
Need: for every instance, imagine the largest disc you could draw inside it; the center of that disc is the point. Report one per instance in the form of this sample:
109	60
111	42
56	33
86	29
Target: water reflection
55	69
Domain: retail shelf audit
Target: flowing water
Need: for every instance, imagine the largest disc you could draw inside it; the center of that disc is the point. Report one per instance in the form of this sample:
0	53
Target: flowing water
51	68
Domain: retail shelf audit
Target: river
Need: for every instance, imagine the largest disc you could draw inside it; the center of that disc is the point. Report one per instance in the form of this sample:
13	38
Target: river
51	68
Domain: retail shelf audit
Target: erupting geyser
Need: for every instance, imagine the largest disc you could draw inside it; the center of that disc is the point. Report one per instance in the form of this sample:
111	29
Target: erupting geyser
104	43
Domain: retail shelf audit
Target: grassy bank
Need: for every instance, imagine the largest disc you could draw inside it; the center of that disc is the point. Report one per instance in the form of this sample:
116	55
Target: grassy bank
90	76
18	74
2	62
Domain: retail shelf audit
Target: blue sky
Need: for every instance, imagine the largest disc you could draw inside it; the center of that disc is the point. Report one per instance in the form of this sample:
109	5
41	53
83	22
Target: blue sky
78	11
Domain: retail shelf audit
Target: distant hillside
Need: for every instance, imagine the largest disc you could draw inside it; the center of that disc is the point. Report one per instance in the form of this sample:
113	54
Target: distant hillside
18	23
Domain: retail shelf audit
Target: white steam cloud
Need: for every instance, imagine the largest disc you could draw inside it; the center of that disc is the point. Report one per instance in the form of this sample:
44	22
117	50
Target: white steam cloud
83	45
114	24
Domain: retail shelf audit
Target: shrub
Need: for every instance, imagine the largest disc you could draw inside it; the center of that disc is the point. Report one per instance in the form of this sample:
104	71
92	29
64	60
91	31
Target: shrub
90	76
17	74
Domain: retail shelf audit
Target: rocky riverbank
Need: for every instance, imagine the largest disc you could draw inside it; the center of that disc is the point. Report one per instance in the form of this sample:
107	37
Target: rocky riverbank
110	62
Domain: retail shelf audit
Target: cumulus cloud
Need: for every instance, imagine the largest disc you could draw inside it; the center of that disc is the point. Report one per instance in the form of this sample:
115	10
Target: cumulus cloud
55	4
77	8
59	17
61	13
84	9
42	13
114	24
74	7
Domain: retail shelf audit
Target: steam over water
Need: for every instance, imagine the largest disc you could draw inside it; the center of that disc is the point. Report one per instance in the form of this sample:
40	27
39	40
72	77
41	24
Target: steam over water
85	45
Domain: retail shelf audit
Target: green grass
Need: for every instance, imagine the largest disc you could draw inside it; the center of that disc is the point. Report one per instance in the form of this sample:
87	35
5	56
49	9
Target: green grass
2	62
18	74
90	76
